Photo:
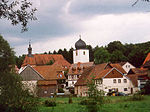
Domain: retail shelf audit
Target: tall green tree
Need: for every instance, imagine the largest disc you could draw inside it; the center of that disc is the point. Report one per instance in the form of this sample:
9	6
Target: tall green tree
13	95
117	56
101	55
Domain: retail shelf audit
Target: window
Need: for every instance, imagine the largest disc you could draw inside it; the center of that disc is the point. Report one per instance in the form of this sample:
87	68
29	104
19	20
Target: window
60	75
114	81
72	82
45	92
76	53
125	80
125	89
119	80
77	76
83	52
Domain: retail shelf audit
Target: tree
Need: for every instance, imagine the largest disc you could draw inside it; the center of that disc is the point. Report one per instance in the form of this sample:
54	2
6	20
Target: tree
18	12
95	96
19	60
101	55
117	56
115	45
13	95
6	55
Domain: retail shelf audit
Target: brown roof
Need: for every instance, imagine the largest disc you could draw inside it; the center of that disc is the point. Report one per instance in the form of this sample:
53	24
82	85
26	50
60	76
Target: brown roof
84	77
122	63
47	82
102	73
89	73
134	79
78	68
119	67
43	59
138	71
50	72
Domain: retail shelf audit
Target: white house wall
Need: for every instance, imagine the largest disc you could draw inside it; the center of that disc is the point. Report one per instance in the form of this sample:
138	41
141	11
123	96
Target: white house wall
108	84
127	67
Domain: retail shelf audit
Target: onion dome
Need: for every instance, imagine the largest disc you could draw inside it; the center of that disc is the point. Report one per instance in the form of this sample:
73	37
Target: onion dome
80	44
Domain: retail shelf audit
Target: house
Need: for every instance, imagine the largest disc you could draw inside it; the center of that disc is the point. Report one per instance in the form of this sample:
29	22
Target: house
44	59
45	72
75	72
126	66
108	77
46	78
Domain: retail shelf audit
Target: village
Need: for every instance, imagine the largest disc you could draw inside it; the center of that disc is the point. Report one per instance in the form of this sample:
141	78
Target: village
52	74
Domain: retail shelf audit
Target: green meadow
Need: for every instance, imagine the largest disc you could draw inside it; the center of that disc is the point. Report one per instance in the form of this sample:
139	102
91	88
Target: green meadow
111	104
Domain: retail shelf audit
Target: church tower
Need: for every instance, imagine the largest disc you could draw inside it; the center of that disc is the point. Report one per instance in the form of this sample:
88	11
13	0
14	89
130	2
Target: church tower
80	54
30	50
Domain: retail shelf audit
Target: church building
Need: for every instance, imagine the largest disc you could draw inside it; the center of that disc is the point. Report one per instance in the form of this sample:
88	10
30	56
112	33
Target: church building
80	62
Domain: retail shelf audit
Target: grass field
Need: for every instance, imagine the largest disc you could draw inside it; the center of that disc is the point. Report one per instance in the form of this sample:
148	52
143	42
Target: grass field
113	104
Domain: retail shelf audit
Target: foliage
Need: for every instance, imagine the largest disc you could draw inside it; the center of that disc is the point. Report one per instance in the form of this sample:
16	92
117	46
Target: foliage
101	55
95	96
19	60
136	97
60	90
17	12
13	95
84	102
6	55
117	56
50	103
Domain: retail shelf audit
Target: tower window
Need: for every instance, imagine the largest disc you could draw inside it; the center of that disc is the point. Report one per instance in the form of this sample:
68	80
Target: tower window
83	52
76	53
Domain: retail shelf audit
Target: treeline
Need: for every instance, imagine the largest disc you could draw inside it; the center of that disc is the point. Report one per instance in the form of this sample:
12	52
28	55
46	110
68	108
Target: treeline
114	52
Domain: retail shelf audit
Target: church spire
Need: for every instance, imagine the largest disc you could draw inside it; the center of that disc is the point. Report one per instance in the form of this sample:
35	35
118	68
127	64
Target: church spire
30	49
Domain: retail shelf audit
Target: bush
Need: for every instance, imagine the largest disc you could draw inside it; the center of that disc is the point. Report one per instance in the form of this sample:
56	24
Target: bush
60	90
136	97
84	102
50	103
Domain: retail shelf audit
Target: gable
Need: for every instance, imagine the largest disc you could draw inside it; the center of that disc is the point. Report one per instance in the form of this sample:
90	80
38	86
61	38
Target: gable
114	74
29	74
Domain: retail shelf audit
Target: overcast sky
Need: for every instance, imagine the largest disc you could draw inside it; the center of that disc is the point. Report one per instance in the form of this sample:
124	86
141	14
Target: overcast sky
60	22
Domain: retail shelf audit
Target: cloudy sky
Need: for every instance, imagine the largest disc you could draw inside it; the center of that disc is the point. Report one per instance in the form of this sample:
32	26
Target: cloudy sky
60	22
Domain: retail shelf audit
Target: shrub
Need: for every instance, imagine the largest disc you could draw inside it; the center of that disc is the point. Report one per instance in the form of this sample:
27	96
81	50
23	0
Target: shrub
50	103
136	97
84	102
60	90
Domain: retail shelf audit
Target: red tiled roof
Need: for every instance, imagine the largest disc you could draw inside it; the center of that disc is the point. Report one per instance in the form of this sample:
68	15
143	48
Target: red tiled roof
84	77
50	72
43	59
147	58
102	73
89	73
46	82
134	79
138	71
78	68
119	67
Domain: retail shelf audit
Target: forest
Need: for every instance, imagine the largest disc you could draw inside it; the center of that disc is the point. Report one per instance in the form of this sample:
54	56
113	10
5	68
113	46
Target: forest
114	52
